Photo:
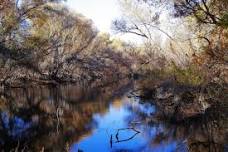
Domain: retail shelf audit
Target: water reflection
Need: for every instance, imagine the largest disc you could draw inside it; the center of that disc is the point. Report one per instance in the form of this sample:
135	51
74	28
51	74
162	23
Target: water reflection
133	135
100	119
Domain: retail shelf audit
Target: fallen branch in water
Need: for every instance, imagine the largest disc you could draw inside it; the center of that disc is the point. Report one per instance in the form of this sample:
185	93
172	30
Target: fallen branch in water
111	141
123	140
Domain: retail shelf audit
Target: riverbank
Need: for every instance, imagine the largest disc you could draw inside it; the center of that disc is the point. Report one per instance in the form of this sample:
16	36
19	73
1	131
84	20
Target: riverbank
180	101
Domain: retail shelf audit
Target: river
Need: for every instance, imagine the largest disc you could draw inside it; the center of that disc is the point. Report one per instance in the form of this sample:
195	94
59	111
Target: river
108	118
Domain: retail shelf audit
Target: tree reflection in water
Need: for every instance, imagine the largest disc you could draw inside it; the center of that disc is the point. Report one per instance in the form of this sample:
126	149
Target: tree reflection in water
73	118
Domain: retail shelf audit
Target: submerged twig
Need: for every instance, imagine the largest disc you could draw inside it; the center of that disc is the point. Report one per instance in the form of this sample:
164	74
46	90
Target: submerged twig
117	134
111	141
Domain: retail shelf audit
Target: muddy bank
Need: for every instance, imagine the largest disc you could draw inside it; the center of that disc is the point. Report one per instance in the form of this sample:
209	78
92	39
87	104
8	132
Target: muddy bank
179	102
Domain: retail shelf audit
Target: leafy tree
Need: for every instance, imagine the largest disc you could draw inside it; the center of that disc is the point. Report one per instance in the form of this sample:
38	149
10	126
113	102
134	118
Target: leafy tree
205	11
46	41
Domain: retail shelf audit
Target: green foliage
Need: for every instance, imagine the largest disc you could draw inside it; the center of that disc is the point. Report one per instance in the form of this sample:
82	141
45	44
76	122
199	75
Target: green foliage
224	20
191	75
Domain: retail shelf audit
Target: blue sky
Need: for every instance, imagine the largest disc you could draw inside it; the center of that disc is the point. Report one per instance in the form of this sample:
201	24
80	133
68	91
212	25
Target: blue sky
102	12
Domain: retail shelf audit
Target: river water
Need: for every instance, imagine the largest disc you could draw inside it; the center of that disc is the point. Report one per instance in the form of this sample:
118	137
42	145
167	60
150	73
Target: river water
98	119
